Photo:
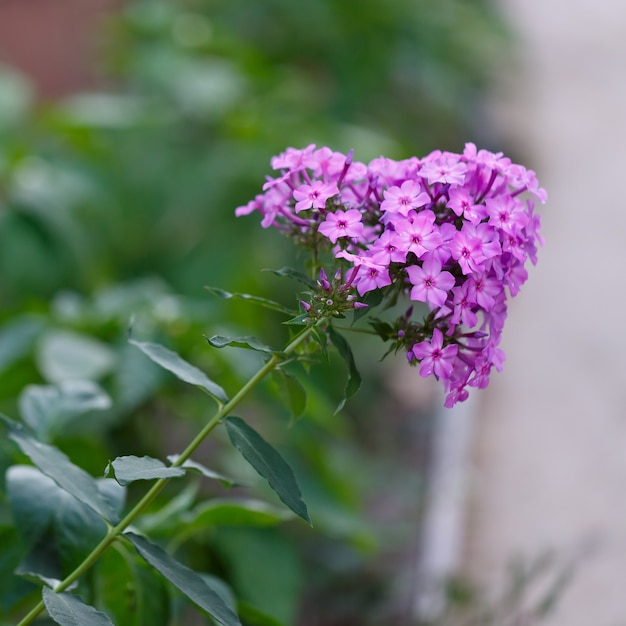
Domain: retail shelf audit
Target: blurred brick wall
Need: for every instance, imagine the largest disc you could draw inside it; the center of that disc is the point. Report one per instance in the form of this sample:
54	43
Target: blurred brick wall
54	42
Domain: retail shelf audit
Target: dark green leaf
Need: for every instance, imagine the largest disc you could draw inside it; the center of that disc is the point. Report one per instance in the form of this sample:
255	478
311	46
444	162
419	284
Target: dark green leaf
16	338
251	616
205	471
130	590
127	469
67	355
293	392
56	465
185	579
180	368
372	299
268	463
251	343
69	610
354	378
299	320
321	338
265	570
268	304
295	274
169	519
58	530
13	587
236	512
49	408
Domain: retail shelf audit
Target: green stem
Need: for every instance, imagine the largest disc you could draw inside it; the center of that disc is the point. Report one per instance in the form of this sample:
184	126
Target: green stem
115	531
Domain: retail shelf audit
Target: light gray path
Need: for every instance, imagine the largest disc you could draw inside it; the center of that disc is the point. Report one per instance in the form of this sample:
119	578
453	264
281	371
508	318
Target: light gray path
551	444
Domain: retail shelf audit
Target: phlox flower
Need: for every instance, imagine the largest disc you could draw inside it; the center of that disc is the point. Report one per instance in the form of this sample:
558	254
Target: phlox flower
314	195
451	230
434	358
444	170
409	195
342	224
430	283
418	233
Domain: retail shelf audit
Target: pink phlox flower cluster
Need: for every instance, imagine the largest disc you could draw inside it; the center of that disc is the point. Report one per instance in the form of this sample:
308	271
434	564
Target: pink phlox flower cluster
453	231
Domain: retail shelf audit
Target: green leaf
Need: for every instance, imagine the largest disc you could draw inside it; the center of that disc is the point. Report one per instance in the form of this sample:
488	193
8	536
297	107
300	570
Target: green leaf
69	610
293	392
372	299
205	471
180	368
66	355
13	587
354	378
268	463
169	519
236	512
184	579
250	343
299	320
251	616
264	302
127	469
265	570
295	274
321	338
56	465
50	408
130	590
16	339
58	530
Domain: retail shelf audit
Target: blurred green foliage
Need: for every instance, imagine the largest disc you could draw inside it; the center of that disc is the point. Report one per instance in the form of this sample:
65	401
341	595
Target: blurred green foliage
116	208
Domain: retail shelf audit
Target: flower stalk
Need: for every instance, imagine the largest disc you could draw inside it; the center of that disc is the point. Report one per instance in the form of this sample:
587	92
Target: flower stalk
224	409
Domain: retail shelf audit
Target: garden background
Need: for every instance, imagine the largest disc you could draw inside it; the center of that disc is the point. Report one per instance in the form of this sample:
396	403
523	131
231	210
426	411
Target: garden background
127	140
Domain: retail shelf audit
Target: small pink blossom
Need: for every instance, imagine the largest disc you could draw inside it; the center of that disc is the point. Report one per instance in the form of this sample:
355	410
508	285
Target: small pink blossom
342	224
430	283
434	358
409	195
314	196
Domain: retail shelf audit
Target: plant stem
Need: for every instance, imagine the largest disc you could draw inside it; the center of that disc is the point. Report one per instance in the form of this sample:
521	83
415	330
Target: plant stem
115	531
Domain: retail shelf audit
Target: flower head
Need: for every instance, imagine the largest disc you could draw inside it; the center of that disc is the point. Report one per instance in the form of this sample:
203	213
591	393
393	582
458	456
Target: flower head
451	230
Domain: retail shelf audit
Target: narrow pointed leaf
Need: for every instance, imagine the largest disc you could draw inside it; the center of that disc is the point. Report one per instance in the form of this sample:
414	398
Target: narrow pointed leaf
372	299
295	274
354	378
251	343
132	592
268	463
293	392
69	610
185	579
58	530
253	617
179	367
236	512
17	337
56	465
50	408
205	471
264	302
127	469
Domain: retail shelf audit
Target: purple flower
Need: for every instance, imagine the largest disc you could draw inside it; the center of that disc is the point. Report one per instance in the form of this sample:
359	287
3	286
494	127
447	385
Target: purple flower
342	224
452	230
314	195
409	195
434	358
430	283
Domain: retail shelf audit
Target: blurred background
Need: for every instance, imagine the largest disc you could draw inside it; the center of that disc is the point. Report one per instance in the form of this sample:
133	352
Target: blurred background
130	131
